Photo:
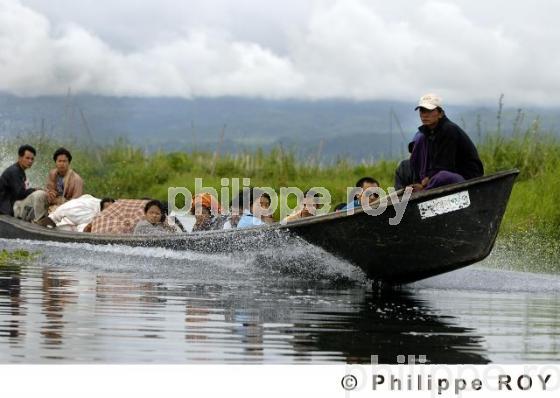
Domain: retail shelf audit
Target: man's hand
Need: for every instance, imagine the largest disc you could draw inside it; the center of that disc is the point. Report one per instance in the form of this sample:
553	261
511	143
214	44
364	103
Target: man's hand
51	196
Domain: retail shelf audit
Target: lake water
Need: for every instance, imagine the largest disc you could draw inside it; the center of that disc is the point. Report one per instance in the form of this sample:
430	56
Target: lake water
108	305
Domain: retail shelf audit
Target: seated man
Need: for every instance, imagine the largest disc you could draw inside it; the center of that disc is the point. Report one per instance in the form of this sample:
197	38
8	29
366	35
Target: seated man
444	154
235	212
258	210
63	183
16	197
364	183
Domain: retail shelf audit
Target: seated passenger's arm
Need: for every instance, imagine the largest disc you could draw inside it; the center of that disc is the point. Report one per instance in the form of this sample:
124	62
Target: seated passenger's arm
20	192
51	187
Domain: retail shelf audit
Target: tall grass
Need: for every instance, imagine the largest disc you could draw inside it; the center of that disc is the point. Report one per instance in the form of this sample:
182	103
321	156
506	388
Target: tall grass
533	207
122	170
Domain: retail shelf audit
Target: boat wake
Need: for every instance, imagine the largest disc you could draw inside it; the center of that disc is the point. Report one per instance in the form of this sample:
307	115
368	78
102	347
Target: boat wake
290	260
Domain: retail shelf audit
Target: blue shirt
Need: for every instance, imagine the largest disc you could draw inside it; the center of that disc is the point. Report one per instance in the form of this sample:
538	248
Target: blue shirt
248	221
59	185
353	205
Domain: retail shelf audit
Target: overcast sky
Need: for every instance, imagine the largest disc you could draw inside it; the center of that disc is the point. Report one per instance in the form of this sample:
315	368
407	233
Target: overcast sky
469	51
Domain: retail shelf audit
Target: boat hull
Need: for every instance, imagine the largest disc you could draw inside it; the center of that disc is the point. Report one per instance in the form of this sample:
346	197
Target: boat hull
421	245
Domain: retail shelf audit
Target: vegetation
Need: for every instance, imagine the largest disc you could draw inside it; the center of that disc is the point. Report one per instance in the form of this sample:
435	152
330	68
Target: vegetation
7	257
532	208
124	171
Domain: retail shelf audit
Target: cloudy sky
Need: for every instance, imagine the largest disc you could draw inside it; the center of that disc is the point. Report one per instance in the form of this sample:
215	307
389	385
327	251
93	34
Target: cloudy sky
469	51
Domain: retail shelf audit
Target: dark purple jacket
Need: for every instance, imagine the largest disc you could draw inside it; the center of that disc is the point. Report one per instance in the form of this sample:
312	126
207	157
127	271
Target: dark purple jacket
446	147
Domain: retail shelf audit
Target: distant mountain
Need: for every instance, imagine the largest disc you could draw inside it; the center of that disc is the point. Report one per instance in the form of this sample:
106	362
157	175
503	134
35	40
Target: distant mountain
327	128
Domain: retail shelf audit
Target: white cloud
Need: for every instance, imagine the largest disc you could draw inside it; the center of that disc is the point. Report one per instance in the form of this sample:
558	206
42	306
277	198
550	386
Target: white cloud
37	59
305	49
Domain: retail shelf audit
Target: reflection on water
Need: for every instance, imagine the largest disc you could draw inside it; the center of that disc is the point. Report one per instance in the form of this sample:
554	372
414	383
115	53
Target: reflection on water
401	325
10	300
57	294
79	310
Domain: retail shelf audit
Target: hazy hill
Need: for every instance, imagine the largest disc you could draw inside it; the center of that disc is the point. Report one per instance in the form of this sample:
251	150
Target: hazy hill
313	128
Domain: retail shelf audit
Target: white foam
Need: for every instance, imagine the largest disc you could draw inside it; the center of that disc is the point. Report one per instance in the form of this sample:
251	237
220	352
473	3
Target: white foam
153	252
299	260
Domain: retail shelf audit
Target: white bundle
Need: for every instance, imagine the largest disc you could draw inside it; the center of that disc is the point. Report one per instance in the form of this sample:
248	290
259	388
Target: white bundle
76	214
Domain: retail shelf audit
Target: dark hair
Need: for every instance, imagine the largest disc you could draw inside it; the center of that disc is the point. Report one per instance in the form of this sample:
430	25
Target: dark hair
23	148
62	151
106	200
158	204
255	194
369	180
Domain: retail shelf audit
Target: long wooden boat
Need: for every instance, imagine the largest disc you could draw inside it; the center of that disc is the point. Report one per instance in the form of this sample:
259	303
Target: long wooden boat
441	230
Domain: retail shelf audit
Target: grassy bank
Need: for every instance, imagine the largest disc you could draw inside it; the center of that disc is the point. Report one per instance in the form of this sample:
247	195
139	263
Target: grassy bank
123	171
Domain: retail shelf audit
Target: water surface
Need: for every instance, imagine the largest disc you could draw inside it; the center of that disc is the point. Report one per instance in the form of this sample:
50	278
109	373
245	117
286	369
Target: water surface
88	304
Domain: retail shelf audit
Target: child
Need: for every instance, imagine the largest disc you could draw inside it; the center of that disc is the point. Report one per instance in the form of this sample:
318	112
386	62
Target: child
153	224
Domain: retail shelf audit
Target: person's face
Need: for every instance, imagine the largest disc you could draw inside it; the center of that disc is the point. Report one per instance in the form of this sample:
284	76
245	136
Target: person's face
430	118
26	161
264	202
369	197
309	207
153	215
262	206
62	164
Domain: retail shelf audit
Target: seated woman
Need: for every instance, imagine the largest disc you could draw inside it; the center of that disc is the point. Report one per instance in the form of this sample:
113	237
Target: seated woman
206	210
153	223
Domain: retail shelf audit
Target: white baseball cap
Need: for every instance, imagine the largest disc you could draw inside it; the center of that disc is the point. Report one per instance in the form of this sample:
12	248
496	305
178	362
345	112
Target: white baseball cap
429	101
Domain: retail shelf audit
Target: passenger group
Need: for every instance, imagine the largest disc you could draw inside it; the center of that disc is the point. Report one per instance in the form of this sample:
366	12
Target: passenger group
441	153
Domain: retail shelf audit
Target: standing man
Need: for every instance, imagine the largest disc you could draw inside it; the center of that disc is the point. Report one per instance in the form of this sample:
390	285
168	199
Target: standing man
63	183
443	154
16	197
